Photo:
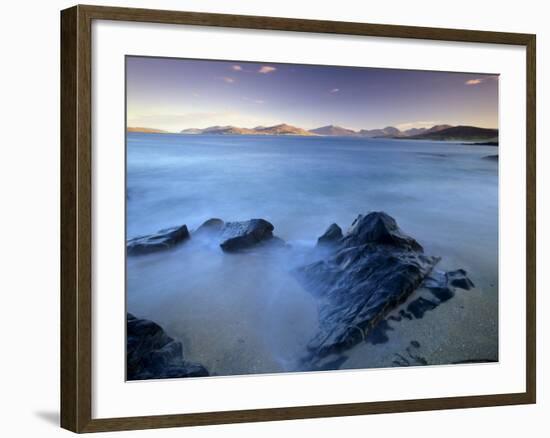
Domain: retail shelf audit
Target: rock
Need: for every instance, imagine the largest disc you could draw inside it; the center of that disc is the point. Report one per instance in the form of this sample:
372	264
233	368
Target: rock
379	228
160	241
211	226
437	288
332	235
375	267
442	284
491	157
459	279
237	236
152	354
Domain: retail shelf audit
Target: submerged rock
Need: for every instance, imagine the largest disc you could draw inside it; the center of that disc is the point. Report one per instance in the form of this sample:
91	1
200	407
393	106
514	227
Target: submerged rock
375	267
152	354
437	288
211	226
443	284
160	241
459	278
332	235
237	236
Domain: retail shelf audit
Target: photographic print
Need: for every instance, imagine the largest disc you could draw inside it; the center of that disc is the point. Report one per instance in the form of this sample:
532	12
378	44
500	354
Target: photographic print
305	218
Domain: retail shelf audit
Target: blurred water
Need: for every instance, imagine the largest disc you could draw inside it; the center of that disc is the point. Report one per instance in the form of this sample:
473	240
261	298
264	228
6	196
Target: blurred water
240	314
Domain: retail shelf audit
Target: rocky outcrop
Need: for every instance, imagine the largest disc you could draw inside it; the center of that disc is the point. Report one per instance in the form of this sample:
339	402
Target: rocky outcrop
232	236
436	289
238	236
374	267
378	228
160	241
360	277
331	236
152	354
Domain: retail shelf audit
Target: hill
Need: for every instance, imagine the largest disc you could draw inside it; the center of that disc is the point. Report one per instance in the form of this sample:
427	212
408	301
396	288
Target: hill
388	131
468	133
281	129
333	130
437	132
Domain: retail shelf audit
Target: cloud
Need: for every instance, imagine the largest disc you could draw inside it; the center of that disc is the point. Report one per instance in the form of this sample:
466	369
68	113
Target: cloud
334	90
265	69
474	81
228	79
418	124
478	81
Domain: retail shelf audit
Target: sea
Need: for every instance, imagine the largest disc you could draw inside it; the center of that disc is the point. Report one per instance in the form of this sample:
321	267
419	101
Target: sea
246	313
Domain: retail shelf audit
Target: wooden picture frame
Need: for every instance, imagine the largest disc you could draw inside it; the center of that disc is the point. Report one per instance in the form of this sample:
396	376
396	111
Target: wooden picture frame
76	217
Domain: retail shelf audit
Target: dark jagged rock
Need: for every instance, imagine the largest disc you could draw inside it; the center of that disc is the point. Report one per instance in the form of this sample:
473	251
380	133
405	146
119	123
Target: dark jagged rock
442	284
437	288
375	267
211	226
332	235
420	306
459	279
152	354
160	241
237	236
379	228
442	287
410	357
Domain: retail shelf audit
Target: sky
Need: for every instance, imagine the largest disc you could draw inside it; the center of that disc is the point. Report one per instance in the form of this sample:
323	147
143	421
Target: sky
174	94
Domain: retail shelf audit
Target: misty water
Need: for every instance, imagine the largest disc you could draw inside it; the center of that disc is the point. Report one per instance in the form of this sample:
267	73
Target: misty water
246	313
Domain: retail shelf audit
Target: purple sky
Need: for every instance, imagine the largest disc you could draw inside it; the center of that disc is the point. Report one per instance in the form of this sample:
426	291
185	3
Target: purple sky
175	94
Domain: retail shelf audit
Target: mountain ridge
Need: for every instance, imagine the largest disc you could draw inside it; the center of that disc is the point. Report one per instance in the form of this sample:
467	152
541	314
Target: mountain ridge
460	132
333	130
280	129
440	132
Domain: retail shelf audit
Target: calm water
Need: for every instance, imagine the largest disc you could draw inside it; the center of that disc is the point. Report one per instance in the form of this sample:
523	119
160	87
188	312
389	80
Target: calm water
245	313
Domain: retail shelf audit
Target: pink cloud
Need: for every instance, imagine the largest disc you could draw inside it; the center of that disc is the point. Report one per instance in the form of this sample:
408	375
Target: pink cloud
265	69
474	81
228	79
334	90
236	68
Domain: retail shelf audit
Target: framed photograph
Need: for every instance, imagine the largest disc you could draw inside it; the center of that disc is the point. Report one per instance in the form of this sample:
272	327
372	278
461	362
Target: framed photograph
268	218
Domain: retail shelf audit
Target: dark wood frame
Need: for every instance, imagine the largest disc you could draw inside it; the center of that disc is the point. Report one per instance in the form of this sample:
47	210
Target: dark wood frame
76	236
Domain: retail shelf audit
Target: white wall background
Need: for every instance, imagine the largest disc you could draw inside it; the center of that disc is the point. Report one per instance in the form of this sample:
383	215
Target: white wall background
29	195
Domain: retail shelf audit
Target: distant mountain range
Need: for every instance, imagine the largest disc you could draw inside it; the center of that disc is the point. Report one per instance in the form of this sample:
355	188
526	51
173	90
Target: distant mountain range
388	131
282	129
437	132
415	132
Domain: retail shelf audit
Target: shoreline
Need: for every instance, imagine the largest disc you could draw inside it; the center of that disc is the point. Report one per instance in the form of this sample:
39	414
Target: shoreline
380	350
